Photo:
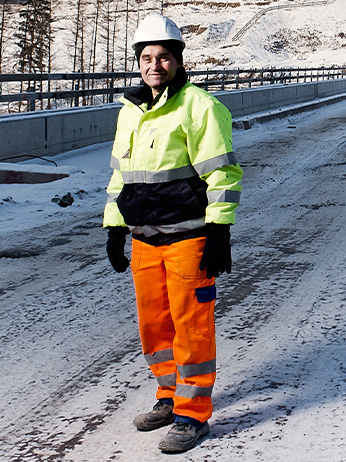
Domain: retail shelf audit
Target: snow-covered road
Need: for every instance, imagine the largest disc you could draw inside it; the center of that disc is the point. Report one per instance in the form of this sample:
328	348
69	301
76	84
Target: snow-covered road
72	376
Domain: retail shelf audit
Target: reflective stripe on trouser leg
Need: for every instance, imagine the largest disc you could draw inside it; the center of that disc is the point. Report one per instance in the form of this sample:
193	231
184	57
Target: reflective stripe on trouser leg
155	323
194	342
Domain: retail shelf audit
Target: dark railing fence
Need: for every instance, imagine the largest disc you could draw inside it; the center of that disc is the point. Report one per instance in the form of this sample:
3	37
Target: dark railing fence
30	92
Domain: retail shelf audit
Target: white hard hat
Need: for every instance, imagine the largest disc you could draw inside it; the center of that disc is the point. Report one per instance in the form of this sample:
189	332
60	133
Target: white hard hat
157	28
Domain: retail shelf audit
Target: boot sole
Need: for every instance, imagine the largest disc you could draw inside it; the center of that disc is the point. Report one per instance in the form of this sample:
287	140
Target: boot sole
168	447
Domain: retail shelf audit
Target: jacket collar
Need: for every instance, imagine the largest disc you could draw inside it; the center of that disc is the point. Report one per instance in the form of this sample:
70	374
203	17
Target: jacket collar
143	94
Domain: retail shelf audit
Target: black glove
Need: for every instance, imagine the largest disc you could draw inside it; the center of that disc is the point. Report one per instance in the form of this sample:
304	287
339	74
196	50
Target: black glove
115	248
216	258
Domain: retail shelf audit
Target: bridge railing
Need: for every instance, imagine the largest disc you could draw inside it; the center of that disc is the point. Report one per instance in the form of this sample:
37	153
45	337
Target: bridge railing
30	92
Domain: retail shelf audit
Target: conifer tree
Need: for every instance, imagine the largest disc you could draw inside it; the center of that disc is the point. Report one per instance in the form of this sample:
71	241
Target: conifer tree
34	36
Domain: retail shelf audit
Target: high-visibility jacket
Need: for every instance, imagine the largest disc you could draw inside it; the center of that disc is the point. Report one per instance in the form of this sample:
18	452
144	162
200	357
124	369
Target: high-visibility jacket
174	167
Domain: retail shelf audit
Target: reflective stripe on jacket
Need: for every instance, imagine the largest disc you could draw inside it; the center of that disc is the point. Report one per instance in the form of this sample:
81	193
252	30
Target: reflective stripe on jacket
174	169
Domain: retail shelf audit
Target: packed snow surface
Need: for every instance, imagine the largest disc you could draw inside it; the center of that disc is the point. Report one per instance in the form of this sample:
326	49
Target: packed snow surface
72	373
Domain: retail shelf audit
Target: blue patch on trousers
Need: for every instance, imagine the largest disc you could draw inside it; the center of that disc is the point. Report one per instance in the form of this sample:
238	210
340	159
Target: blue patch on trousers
206	294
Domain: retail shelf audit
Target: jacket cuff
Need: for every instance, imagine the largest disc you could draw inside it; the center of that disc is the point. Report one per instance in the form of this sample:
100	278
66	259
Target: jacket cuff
118	230
218	229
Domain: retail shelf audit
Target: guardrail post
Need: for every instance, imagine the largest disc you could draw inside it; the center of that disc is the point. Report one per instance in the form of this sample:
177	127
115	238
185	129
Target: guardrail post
32	101
237	79
83	88
76	98
111	95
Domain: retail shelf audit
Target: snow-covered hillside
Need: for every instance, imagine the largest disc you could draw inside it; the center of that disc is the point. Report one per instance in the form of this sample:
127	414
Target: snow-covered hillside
289	32
300	36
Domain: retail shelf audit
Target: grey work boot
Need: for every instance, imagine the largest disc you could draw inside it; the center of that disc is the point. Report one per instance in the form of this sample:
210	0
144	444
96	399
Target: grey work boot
182	437
161	415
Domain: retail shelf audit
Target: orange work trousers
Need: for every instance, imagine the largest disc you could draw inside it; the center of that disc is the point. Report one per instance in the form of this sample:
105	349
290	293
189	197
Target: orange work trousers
175	303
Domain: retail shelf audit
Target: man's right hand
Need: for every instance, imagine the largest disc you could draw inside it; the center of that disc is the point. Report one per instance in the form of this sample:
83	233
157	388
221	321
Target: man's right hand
115	248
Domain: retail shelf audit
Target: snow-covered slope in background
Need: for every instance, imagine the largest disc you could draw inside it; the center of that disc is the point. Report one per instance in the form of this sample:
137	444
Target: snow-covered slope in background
290	34
300	36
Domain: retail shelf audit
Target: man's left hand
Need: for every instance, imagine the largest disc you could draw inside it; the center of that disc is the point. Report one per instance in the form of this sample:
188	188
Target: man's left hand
216	258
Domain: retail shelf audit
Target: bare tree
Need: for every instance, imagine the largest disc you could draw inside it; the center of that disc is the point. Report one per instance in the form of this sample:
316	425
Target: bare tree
93	46
50	40
95	36
77	34
126	37
113	39
78	49
2	32
106	34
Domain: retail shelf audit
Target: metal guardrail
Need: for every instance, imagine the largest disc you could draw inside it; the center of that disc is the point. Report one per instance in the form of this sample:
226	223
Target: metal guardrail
48	91
261	13
73	88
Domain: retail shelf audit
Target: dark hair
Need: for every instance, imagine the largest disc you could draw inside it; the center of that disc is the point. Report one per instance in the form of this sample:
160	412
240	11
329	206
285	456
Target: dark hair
173	46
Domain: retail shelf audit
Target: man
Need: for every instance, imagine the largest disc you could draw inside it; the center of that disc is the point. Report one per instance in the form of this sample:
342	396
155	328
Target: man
175	187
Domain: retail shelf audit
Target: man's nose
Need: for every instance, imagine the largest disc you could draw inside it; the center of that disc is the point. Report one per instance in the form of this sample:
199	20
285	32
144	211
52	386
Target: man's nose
156	63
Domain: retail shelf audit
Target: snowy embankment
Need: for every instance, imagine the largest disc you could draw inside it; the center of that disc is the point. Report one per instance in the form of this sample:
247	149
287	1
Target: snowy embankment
72	373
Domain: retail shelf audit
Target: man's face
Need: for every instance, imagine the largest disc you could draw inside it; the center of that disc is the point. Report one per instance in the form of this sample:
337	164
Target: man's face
158	67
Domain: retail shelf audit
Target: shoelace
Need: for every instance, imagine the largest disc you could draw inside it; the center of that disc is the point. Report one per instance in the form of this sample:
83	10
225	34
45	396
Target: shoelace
181	426
159	405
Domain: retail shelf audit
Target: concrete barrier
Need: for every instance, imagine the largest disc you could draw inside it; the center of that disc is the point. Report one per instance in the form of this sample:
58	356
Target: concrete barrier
254	100
46	133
